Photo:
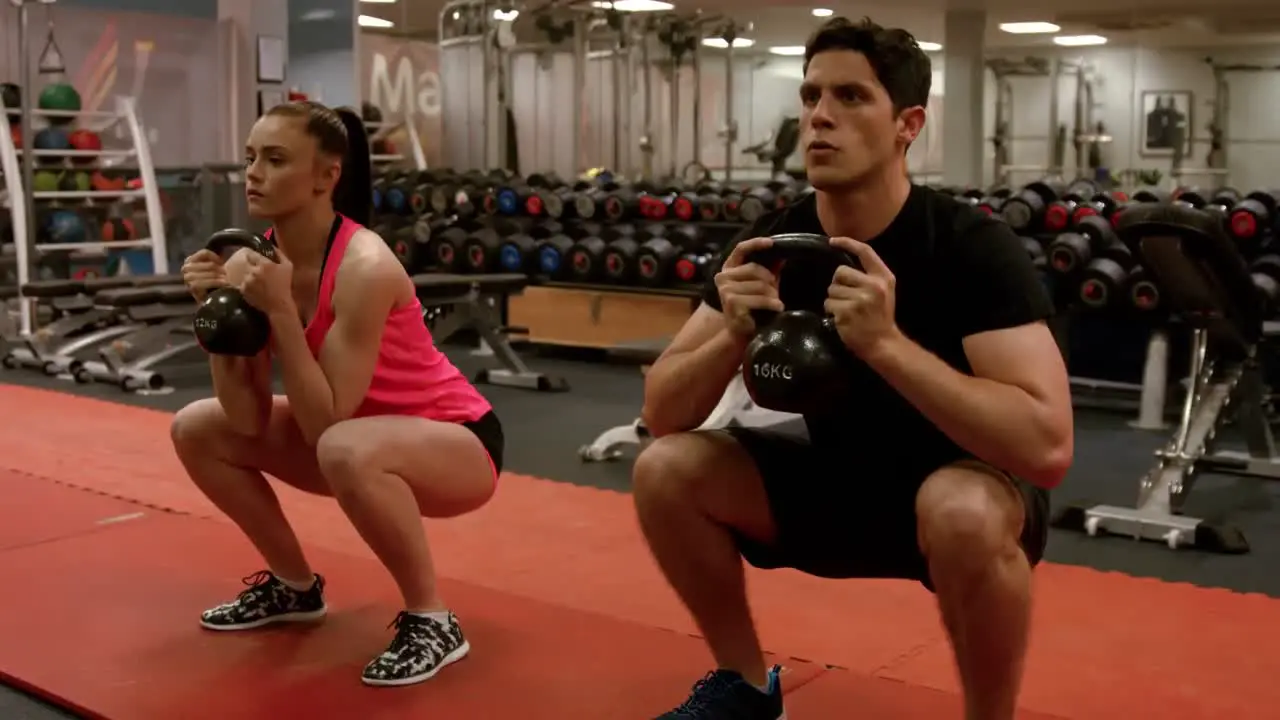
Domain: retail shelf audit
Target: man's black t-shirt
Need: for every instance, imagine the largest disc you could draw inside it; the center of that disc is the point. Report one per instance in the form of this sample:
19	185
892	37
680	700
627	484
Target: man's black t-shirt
959	272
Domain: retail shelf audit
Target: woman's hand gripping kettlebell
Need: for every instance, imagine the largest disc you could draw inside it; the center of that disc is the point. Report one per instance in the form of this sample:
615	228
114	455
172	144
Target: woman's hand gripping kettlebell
745	286
202	272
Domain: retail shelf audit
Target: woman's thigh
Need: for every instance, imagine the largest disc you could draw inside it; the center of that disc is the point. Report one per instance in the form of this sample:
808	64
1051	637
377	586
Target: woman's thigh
444	464
280	451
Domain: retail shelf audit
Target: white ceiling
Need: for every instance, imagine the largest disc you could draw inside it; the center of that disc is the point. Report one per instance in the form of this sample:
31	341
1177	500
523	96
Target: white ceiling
1150	23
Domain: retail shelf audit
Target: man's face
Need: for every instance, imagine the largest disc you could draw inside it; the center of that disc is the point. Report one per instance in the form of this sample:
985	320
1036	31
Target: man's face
848	128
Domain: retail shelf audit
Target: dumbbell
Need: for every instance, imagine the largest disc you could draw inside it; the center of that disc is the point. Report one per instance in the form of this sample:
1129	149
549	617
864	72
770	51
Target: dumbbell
1150	195
1035	251
1252	219
1073	250
551	254
1106	276
990	205
695	266
445	248
586	259
1225	196
1025	211
480	252
1265	271
1144	294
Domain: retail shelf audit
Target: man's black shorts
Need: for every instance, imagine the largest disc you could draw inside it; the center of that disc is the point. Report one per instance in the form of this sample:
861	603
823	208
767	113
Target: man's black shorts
841	518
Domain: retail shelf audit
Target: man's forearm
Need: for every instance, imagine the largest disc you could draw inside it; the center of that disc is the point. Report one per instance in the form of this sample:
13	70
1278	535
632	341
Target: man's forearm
998	423
680	391
308	390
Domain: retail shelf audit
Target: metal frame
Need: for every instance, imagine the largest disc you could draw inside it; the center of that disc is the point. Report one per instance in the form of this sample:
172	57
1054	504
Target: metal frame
1163	491
480	311
735	408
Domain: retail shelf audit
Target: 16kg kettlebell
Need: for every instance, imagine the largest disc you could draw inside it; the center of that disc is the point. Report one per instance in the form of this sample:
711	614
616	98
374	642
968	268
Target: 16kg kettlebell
797	363
225	323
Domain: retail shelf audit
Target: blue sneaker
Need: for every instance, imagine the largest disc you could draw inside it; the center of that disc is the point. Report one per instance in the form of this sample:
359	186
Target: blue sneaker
724	695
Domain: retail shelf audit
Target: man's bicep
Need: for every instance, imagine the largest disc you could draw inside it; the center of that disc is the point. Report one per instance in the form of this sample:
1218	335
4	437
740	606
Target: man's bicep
995	284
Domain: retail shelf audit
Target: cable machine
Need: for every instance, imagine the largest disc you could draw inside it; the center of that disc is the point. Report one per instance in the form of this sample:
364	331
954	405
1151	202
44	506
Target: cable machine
18	166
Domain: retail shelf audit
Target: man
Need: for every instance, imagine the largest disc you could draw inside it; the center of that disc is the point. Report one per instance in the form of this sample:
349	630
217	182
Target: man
938	472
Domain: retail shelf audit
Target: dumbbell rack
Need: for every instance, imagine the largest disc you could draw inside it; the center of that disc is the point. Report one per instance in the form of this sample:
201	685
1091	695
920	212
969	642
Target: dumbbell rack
16	193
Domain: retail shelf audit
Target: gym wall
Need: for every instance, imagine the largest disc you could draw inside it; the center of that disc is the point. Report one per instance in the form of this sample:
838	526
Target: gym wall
168	62
1252	137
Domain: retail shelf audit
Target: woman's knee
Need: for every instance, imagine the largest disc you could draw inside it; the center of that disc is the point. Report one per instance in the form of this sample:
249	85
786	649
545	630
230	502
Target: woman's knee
198	428
341	454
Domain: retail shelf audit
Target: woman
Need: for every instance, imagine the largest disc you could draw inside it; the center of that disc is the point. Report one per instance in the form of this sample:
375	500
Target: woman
373	414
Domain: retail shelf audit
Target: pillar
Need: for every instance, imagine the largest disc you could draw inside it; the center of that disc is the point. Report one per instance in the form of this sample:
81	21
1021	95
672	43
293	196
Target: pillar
242	23
963	73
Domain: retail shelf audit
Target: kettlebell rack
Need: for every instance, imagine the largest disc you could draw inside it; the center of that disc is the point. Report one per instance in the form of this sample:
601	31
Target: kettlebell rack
19	176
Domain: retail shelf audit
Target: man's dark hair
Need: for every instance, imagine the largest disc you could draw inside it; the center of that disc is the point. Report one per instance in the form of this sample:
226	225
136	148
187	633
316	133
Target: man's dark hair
900	65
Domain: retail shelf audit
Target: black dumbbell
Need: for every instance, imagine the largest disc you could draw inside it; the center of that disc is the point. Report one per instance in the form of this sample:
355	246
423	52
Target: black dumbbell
1144	294
1252	219
1025	211
1106	276
1071	251
1265	271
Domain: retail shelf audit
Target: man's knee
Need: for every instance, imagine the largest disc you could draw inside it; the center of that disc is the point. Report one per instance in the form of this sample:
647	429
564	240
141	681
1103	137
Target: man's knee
967	515
667	469
198	427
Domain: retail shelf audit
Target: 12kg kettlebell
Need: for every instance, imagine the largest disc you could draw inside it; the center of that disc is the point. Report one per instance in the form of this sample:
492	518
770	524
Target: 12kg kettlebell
796	363
225	323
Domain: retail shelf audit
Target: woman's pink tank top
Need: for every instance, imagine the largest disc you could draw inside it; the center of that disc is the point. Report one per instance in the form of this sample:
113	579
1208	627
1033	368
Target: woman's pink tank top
412	376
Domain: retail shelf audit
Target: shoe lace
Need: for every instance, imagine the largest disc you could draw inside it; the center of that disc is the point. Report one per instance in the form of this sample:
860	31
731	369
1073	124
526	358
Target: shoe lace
411	628
712	687
256	582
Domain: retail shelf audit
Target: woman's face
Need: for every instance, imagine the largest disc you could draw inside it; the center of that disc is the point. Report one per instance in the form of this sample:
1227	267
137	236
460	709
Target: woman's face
284	168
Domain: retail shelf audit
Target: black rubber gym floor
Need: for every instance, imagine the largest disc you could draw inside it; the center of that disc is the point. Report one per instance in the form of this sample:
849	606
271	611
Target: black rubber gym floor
1110	458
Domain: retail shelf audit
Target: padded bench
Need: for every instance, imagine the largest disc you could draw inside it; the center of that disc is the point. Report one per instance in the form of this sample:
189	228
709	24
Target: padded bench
48	289
445	287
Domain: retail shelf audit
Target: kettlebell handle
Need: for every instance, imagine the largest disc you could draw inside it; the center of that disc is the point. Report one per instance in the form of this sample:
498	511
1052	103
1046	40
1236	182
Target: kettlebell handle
224	240
809	247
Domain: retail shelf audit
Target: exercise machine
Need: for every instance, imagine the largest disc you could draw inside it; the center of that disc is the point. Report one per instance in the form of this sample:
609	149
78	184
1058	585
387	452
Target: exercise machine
452	303
1205	281
734	409
159	319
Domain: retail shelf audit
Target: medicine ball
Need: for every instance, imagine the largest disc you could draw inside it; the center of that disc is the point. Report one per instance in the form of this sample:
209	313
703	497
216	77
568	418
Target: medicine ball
15	133
370	113
66	226
85	141
60	97
52	138
46	181
118	230
12	96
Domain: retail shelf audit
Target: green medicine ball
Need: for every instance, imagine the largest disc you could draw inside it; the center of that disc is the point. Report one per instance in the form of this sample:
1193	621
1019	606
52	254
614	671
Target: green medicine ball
60	97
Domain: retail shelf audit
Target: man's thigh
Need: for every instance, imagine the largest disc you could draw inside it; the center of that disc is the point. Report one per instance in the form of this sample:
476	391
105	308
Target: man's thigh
839	518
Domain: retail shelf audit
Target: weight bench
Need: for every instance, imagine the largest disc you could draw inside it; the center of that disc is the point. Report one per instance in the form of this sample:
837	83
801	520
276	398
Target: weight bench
735	408
1205	281
159	318
452	303
78	323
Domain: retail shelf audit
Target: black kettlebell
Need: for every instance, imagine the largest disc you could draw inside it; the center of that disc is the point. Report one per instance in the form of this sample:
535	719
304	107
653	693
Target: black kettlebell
225	323
797	363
